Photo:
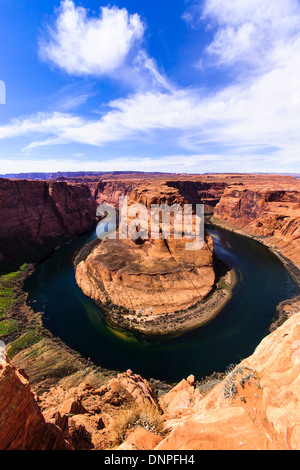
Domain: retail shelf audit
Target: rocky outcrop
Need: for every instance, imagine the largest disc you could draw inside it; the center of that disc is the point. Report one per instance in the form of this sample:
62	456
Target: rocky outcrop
180	400
36	216
64	418
22	424
89	417
255	407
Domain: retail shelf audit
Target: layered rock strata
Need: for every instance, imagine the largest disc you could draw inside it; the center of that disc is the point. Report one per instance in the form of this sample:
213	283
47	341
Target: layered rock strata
35	216
22	424
269	212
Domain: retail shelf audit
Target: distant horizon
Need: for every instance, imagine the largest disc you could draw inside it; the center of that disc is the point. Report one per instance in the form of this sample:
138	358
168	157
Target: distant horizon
115	172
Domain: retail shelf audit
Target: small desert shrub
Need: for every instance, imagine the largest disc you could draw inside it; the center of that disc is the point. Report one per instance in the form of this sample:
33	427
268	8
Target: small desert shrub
146	416
238	377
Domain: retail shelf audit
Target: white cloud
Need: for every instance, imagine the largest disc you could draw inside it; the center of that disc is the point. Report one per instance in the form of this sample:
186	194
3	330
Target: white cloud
245	119
41	123
86	45
108	45
70	102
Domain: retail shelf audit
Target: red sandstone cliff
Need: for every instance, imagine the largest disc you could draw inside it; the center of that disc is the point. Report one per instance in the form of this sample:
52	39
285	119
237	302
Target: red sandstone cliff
269	210
201	191
22	424
37	215
108	192
256	407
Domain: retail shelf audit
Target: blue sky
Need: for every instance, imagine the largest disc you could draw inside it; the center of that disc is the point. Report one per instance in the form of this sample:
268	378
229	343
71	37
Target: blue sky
179	86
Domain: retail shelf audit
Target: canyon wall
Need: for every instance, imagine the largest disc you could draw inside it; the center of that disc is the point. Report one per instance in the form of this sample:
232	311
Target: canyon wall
35	216
108	192
203	191
267	210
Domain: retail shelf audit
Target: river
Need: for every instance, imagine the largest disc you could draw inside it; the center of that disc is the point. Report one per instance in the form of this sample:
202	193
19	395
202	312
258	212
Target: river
263	282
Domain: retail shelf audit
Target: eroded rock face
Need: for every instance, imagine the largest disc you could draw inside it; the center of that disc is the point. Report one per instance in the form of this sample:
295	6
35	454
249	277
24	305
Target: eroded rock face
22	424
180	400
268	210
86	414
201	191
255	407
154	276
35	216
109	192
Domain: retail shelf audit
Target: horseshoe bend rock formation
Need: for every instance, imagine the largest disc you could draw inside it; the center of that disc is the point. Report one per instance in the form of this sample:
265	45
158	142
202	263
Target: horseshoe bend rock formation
36	216
152	278
159	277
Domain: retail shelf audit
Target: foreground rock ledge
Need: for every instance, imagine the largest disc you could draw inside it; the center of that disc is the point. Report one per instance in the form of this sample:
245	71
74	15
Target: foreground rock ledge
256	407
263	414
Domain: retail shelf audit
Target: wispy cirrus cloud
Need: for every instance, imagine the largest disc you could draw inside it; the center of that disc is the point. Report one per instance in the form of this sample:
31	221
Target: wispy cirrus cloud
242	118
246	32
